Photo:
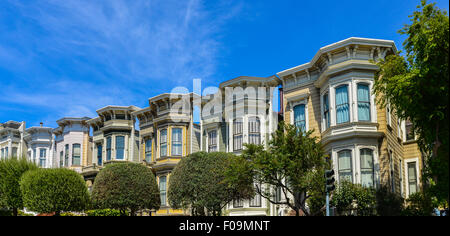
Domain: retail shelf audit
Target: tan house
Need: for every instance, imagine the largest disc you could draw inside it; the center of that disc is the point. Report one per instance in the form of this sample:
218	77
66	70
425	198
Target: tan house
332	95
167	134
115	139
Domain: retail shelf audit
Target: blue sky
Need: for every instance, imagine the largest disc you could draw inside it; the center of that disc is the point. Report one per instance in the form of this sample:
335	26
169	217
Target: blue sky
72	57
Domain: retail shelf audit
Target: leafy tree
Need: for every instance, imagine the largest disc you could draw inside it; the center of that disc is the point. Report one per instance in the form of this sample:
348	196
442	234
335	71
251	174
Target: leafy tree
198	182
350	199
54	190
125	186
416	86
294	163
10	172
388	203
419	204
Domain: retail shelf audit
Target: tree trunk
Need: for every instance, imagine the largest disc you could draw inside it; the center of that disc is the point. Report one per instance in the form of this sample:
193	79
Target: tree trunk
15	212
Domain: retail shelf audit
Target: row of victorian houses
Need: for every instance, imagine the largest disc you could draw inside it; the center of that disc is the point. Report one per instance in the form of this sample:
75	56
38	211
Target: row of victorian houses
331	95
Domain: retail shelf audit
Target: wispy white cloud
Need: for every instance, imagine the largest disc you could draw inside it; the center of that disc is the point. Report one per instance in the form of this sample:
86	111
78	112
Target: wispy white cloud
72	57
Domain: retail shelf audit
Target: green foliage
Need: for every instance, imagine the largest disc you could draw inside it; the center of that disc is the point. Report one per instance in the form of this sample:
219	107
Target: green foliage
416	87
198	182
419	204
10	172
125	186
388	203
70	214
54	190
294	161
104	212
353	199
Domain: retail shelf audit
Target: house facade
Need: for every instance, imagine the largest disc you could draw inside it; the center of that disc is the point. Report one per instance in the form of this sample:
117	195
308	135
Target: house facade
12	139
115	139
241	112
168	134
332	95
73	144
40	146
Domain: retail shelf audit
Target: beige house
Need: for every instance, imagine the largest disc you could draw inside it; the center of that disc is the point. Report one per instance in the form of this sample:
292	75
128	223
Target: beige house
115	139
332	95
167	134
73	144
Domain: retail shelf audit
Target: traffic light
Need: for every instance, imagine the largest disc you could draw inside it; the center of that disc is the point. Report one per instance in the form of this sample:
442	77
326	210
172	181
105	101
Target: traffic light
329	176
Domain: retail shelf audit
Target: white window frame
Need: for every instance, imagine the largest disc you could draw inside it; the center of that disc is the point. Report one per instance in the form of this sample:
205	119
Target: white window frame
369	85
292	104
356	161
207	139
322	108
406	173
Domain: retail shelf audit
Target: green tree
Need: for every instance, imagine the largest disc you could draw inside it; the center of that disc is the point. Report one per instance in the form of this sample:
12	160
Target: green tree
198	183
10	172
293	164
416	87
353	199
125	186
54	190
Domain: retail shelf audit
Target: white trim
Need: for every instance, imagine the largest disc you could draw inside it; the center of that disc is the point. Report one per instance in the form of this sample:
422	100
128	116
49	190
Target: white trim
406	173
292	104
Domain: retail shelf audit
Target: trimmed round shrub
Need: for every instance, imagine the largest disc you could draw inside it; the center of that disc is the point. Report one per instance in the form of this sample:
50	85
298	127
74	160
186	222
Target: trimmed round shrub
54	190
125	186
199	183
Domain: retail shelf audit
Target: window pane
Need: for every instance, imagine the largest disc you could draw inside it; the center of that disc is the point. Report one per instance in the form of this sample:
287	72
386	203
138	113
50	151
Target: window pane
254	130
237	131
345	165
363	102
412	177
367	173
163	143
76	154
162	190
108	148
299	117
99	154
326	110
120	146
148	150
177	141
342	107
